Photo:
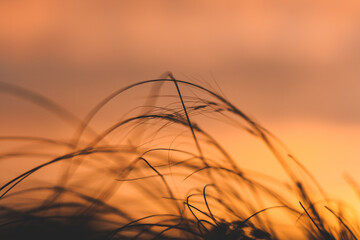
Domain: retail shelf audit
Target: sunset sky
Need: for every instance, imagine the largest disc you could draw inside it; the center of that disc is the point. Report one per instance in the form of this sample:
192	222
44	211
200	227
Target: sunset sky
291	65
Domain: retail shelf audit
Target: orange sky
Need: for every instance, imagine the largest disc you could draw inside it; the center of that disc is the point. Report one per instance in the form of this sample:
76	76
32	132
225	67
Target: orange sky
293	65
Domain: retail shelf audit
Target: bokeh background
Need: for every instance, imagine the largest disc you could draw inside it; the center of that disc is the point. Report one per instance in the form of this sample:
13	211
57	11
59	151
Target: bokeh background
292	65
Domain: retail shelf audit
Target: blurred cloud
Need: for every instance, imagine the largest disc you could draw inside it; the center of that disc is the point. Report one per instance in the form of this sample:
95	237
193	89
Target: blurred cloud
277	58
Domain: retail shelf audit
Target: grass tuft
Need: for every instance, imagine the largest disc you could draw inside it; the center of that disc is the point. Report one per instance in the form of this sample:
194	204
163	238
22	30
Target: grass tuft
157	173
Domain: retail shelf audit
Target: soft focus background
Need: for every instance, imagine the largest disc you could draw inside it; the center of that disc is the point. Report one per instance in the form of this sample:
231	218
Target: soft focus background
292	65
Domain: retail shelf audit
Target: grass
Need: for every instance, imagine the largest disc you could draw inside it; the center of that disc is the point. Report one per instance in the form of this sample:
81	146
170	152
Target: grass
158	174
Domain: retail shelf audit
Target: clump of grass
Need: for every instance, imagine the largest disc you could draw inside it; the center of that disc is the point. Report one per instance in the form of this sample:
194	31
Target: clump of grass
158	174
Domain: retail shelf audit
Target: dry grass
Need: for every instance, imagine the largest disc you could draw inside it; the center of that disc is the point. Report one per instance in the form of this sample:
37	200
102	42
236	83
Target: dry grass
158	174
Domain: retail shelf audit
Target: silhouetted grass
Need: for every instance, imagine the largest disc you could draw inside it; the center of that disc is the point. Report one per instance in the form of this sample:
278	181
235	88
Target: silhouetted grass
158	174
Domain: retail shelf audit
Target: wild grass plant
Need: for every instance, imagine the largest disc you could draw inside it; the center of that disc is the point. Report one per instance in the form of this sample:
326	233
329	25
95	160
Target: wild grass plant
158	173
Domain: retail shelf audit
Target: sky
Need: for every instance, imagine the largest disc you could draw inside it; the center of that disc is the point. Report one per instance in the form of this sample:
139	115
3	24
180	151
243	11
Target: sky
292	65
